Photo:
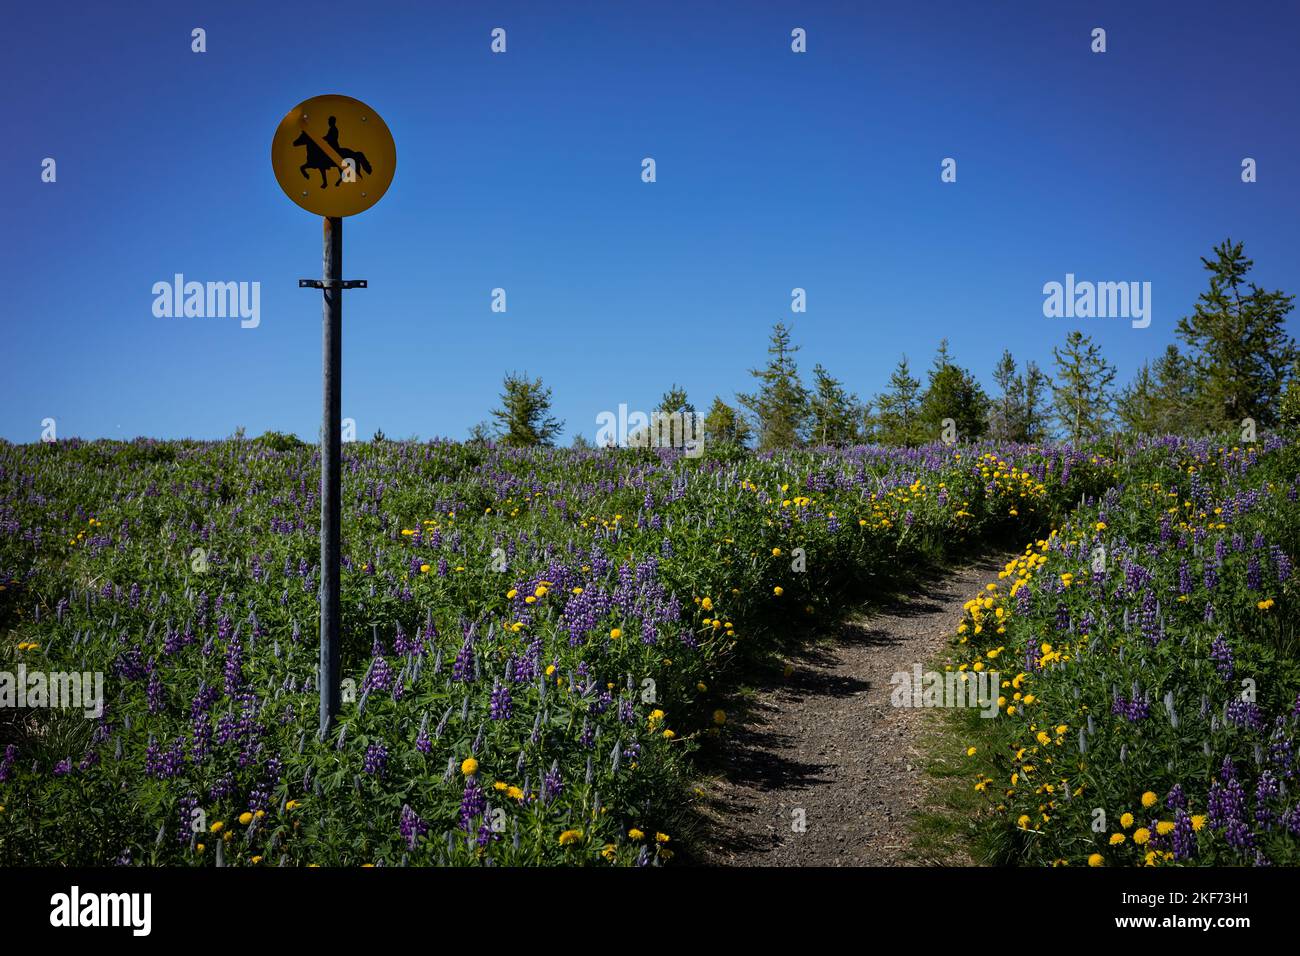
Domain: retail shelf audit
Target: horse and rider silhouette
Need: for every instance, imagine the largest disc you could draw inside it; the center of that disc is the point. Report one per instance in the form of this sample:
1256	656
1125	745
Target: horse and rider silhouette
318	159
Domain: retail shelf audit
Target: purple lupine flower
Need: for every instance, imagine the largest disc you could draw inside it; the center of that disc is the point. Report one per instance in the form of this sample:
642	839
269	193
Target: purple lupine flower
1281	564
1131	709
1184	835
1221	654
376	759
234	669
63	767
379	678
188	804
1032	653
472	803
552	784
1149	617
155	696
411	826
1267	787
7	764
163	764
500	707
223	788
463	669
1244	713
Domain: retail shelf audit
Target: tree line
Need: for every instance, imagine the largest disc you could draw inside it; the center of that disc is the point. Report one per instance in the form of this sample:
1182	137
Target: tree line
1236	363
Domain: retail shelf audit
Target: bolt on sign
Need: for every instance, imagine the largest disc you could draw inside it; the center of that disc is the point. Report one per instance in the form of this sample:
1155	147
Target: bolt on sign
333	156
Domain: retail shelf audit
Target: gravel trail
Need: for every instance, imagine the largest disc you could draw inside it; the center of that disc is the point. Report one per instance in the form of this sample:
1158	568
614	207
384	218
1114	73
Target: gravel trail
826	741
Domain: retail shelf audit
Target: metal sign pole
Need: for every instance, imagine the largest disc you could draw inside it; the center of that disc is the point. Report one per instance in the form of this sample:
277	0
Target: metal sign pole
331	452
330	460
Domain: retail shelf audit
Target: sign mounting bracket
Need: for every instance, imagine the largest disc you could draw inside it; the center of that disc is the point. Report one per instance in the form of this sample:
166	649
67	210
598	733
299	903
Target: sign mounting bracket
333	284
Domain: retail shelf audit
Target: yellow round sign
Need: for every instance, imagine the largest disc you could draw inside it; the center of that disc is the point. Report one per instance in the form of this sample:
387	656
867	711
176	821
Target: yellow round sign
333	155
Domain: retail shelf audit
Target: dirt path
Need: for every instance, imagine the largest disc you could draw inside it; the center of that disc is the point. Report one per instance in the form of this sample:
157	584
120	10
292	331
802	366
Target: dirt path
827	742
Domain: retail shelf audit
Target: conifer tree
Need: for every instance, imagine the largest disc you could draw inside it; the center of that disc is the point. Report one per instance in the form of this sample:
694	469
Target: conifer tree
724	425
952	395
1082	390
524	419
834	412
898	418
780	404
1239	343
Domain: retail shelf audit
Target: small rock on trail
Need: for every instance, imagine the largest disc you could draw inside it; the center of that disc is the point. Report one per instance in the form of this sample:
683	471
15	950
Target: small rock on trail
824	745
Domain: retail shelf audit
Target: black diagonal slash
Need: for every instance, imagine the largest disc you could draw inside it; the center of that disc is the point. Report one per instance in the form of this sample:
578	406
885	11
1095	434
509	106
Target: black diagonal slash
327	149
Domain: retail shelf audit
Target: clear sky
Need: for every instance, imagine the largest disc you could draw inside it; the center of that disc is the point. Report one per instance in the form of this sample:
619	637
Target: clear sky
522	170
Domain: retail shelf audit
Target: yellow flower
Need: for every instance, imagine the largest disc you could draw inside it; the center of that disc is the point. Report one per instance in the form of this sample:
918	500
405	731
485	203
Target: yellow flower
609	851
1149	799
1165	827
635	835
1141	835
256	859
707	604
292	805
217	827
661	838
776	552
245	819
469	766
1023	822
970	751
669	735
778	590
1117	838
511	593
500	785
200	848
719	717
570	836
1265	605
616	633
424	569
1095	860
1126	820
514	793
1198	821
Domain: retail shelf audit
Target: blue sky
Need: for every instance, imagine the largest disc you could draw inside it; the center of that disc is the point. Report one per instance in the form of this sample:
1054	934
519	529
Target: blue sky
523	171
